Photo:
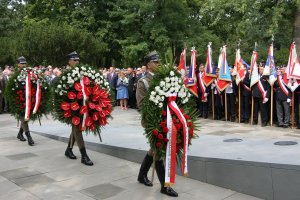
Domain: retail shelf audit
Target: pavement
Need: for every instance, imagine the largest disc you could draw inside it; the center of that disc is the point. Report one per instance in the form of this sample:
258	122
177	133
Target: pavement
43	172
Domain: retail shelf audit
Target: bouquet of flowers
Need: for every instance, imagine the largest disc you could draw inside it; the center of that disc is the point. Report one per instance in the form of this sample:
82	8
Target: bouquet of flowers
168	114
28	93
81	98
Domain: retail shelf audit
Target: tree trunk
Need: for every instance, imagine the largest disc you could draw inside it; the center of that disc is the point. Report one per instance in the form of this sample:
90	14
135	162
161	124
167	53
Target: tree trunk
297	29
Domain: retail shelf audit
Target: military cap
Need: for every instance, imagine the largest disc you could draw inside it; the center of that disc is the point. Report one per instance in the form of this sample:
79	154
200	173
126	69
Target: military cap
73	56
151	57
22	60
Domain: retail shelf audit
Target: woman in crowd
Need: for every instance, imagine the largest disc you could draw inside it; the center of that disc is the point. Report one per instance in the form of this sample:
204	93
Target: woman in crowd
122	90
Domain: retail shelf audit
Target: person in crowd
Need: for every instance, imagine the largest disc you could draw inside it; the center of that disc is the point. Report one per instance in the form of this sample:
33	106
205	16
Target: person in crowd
131	87
122	90
203	93
6	75
1	91
245	97
112	78
231	95
283	100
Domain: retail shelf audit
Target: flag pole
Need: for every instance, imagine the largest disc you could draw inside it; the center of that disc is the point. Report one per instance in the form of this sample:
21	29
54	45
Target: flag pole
239	103
272	99
225	105
293	109
213	103
252	109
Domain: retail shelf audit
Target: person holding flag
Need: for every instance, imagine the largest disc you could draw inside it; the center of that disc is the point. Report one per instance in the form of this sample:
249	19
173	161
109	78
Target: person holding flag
245	97
203	93
283	99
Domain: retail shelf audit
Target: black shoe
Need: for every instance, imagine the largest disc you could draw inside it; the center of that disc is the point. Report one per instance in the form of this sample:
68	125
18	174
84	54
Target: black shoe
29	138
255	123
146	164
285	126
69	153
169	191
264	124
279	125
20	135
232	119
246	121
242	121
84	158
144	180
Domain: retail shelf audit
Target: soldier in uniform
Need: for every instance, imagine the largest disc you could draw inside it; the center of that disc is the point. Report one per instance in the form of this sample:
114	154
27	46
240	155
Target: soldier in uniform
203	93
76	134
152	61
24	124
245	97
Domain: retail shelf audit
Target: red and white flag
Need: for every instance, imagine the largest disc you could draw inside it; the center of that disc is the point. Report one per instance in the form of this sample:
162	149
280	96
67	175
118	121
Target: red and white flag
239	67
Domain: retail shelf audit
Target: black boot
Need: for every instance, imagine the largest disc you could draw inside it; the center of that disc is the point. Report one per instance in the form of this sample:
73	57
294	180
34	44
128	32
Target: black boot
84	158
160	170
29	138
69	153
146	164
20	135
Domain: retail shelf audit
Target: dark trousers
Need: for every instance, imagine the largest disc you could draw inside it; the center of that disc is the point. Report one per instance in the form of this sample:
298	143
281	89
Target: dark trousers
231	106
24	125
76	135
132	99
218	106
283	112
297	108
245	107
203	108
263	108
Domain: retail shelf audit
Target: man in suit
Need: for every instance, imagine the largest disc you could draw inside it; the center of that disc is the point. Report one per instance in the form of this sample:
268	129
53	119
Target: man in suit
76	133
131	88
152	62
231	94
261	94
283	100
245	97
24	124
203	93
112	78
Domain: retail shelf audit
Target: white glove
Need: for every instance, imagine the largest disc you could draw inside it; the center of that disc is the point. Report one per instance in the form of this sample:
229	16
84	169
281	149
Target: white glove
213	85
205	94
288	100
0	91
265	100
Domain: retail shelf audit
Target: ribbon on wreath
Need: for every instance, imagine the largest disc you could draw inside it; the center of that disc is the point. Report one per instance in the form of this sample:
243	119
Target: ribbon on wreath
171	145
83	125
28	95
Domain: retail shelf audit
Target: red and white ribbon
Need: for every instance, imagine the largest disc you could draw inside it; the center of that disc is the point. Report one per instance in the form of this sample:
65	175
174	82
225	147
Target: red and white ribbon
171	145
283	88
38	94
246	87
202	86
262	90
28	97
83	126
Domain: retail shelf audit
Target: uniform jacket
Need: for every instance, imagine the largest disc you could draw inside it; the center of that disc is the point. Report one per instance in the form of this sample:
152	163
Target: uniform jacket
246	82
280	95
255	89
112	80
141	89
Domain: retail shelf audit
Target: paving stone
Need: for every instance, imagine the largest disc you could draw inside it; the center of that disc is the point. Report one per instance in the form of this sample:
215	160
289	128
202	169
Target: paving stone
19	173
102	191
31	181
21	156
7	187
19	195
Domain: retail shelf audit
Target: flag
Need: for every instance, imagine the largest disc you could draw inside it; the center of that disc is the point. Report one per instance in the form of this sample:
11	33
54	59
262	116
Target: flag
254	69
182	63
224	77
239	67
270	65
247	65
292	71
209	74
191	79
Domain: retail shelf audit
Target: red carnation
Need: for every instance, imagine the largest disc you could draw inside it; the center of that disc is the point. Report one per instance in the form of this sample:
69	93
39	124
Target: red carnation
190	124
158	145
162	124
79	95
96	97
160	136
166	140
102	121
155	132
75	120
165	129
92	106
77	86
65	106
181	110
93	127
83	109
74	106
86	80
67	113
71	95
164	113
186	116
89	121
98	108
178	126
95	116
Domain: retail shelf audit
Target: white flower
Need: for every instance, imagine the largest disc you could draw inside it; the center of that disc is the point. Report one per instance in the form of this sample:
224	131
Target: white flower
76	68
172	73
160	105
176	89
161	92
106	83
61	93
179	81
176	78
151	98
93	77
153	93
59	86
172	79
168	85
162	98
167	79
162	84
